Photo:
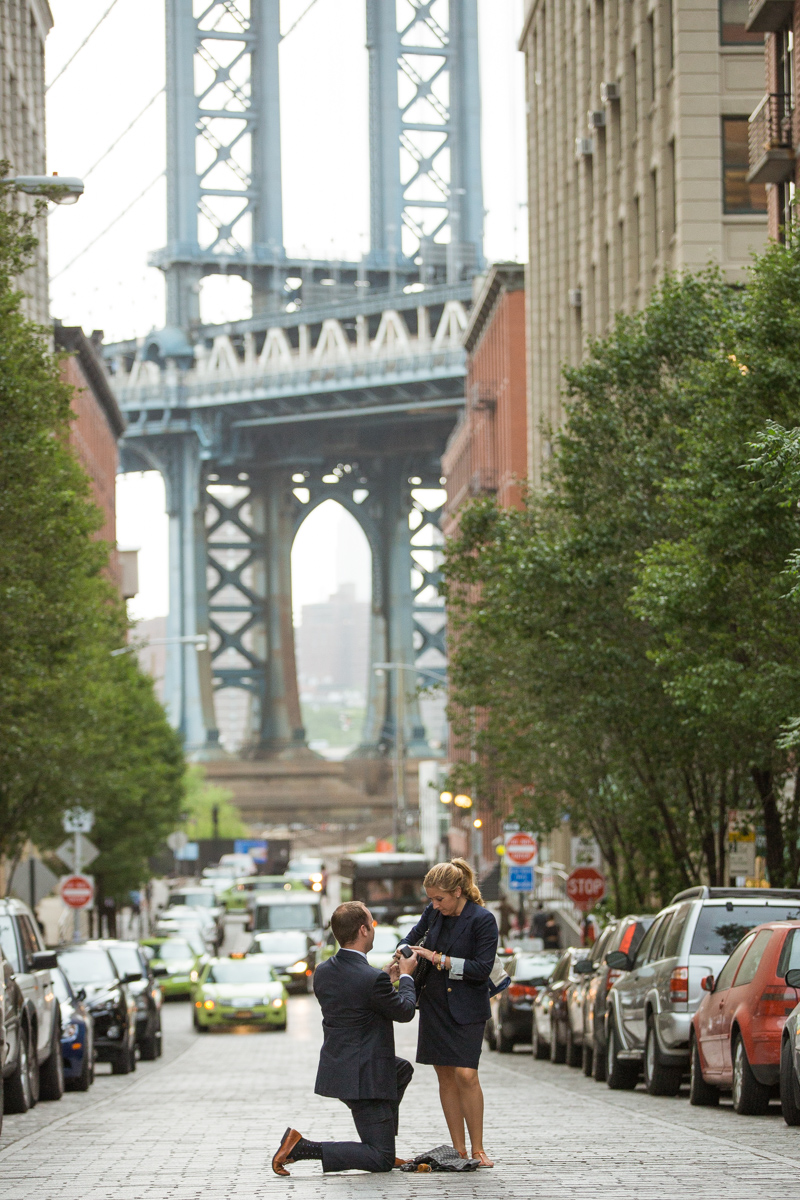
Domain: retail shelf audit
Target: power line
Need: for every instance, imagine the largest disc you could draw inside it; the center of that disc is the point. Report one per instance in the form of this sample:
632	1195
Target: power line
118	217
118	139
83	43
304	13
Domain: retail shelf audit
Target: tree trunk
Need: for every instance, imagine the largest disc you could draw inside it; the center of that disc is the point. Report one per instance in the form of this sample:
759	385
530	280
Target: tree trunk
773	829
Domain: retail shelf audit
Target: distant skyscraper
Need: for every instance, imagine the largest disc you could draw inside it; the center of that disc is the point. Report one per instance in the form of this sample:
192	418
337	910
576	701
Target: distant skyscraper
333	643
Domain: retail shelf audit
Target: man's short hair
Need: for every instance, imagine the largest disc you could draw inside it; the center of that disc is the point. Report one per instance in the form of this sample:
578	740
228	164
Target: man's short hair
348	919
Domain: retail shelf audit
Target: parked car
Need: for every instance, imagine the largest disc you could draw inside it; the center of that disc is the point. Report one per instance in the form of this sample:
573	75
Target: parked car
737	1029
588	998
175	962
38	1073
292	954
549	1022
202	898
649	1010
790	1037
236	897
129	959
271	911
239	991
89	966
511	1021
77	1034
16	1061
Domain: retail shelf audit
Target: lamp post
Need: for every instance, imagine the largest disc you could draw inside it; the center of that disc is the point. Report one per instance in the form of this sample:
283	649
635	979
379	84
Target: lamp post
399	814
200	640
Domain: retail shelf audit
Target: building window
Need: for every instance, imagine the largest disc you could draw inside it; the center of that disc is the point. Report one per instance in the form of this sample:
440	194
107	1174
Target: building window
732	22
739	196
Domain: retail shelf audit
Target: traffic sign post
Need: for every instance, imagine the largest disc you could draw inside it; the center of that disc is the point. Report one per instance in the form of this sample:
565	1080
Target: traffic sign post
77	891
521	849
586	886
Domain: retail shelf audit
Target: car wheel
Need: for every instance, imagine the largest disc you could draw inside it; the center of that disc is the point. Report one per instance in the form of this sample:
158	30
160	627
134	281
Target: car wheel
505	1044
587	1059
488	1033
659	1079
121	1065
18	1097
539	1049
598	1062
51	1076
558	1053
790	1087
84	1080
621	1075
700	1092
573	1054
750	1098
148	1048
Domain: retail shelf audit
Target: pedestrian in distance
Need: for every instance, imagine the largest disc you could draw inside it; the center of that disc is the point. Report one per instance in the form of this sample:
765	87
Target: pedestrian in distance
357	1063
458	937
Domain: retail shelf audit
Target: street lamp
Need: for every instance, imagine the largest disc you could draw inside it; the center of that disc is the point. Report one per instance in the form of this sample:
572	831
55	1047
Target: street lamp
200	640
61	189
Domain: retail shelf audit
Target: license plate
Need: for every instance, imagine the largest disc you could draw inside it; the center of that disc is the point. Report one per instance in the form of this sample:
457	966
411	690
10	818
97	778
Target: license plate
244	1012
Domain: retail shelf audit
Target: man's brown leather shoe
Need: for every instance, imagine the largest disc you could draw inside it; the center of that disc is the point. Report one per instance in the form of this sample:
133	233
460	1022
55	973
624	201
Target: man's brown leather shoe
284	1154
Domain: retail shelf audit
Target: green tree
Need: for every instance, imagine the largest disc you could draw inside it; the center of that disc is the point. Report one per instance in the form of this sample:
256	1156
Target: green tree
201	798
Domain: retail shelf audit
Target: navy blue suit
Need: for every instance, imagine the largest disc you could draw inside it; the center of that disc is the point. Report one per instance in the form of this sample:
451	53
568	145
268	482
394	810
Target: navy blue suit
357	1063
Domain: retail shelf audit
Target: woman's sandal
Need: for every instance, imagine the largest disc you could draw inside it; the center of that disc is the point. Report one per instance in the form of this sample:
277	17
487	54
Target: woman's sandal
483	1158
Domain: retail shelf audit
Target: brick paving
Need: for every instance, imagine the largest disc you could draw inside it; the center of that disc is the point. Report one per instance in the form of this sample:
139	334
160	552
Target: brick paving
203	1122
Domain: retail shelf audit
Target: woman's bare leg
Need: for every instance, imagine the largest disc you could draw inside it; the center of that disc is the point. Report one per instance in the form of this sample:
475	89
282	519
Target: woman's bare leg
450	1098
471	1103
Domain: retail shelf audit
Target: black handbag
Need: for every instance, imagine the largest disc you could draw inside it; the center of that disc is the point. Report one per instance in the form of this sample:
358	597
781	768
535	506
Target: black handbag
422	969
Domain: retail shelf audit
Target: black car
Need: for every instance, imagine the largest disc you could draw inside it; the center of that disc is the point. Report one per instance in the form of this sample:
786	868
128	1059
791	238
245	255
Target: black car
108	998
77	1034
511	1017
130	959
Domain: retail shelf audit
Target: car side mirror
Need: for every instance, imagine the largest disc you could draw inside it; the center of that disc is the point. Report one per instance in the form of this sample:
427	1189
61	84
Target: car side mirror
159	972
44	960
584	967
132	977
80	995
618	961
707	983
793	977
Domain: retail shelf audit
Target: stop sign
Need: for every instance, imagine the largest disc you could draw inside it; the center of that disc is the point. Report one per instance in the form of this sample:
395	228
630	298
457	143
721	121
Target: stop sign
521	848
77	891
585	887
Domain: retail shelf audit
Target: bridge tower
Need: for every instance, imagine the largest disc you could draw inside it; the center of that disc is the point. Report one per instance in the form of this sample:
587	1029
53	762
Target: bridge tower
232	476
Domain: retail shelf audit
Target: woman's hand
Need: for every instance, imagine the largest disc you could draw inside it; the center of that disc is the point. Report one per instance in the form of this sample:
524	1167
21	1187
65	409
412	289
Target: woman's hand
424	952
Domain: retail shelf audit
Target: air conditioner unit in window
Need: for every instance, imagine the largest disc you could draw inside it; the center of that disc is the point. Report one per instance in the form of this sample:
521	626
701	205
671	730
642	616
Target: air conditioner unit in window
596	118
609	92
584	147
576	297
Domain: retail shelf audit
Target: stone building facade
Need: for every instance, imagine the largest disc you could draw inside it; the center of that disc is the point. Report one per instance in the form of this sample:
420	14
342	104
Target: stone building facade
24	25
638	165
775	123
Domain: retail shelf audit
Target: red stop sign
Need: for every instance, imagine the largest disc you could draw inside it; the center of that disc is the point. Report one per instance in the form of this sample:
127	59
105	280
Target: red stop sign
521	848
585	887
77	891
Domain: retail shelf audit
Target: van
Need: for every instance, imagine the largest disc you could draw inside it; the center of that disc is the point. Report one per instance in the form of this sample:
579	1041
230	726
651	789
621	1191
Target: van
286	910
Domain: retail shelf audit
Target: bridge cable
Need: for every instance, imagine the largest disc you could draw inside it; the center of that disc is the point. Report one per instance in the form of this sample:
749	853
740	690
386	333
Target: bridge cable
118	217
83	43
118	139
304	13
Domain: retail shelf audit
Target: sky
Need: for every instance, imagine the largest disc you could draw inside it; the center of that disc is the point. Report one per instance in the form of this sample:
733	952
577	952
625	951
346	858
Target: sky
98	248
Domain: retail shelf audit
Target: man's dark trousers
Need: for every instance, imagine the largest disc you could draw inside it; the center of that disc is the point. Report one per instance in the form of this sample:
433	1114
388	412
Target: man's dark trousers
376	1123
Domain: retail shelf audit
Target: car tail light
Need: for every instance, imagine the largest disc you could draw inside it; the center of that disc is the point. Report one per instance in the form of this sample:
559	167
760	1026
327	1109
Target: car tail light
612	977
563	996
520	991
776	1002
679	985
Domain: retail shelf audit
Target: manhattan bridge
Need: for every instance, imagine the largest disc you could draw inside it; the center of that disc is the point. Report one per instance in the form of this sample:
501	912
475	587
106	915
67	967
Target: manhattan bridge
345	382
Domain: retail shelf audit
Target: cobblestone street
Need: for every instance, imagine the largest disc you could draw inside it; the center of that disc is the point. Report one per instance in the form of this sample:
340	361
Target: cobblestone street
204	1120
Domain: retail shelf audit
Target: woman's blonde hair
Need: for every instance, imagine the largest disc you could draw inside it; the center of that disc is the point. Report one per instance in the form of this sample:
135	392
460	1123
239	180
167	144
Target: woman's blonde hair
452	875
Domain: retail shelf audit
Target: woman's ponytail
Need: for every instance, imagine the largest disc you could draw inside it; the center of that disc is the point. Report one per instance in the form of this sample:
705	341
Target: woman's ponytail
454	874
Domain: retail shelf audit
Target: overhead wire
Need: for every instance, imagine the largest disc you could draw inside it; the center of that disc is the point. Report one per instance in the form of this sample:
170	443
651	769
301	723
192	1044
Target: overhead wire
304	13
83	43
103	233
127	129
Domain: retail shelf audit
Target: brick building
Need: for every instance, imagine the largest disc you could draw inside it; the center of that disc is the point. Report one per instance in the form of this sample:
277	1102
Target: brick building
775	124
487	452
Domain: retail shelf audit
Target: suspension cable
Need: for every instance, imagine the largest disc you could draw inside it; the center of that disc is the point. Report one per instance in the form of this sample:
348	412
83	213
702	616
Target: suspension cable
83	43
102	234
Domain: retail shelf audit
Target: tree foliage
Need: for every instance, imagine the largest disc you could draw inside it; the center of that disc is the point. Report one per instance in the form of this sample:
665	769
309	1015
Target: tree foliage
624	651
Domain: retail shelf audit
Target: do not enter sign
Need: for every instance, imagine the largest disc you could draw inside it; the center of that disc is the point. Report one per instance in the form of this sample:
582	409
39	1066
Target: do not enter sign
585	887
77	890
521	848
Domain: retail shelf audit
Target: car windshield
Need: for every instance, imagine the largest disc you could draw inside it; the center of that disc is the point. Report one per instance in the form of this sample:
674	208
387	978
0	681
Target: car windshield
174	950
60	986
287	916
533	970
719	928
193	899
240	970
282	943
86	966
126	960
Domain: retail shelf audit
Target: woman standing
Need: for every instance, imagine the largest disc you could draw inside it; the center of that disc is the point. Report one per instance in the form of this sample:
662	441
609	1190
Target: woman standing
460	943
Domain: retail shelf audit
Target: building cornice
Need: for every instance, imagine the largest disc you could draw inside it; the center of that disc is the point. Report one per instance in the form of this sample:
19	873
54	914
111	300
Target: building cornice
526	24
42	16
72	339
501	277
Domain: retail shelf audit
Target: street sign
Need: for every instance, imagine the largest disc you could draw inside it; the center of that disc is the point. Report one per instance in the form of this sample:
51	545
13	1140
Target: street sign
520	879
585	887
521	848
67	852
77	890
177	840
78	820
742	857
32	881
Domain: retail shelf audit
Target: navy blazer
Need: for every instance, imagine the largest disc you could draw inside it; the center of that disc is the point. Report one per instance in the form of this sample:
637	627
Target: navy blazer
359	1004
474	938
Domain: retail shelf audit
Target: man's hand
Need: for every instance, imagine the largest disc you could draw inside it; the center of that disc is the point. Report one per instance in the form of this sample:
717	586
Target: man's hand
393	971
407	965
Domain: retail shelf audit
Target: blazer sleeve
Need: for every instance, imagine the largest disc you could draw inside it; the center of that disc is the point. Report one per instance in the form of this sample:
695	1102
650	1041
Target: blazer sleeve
415	935
399	1005
478	967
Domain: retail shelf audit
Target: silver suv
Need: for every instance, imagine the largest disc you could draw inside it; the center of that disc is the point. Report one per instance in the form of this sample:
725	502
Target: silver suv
649	1010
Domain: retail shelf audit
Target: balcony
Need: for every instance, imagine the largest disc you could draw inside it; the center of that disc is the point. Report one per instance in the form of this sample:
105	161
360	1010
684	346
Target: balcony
767	16
772	157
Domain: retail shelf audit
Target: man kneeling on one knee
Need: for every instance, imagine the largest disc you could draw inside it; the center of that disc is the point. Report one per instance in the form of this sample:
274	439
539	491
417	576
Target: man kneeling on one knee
357	1063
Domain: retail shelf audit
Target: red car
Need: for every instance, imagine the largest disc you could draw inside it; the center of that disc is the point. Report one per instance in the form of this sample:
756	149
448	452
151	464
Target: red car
736	1031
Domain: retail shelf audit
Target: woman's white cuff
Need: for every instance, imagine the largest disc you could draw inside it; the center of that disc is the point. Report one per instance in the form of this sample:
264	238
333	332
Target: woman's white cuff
456	969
